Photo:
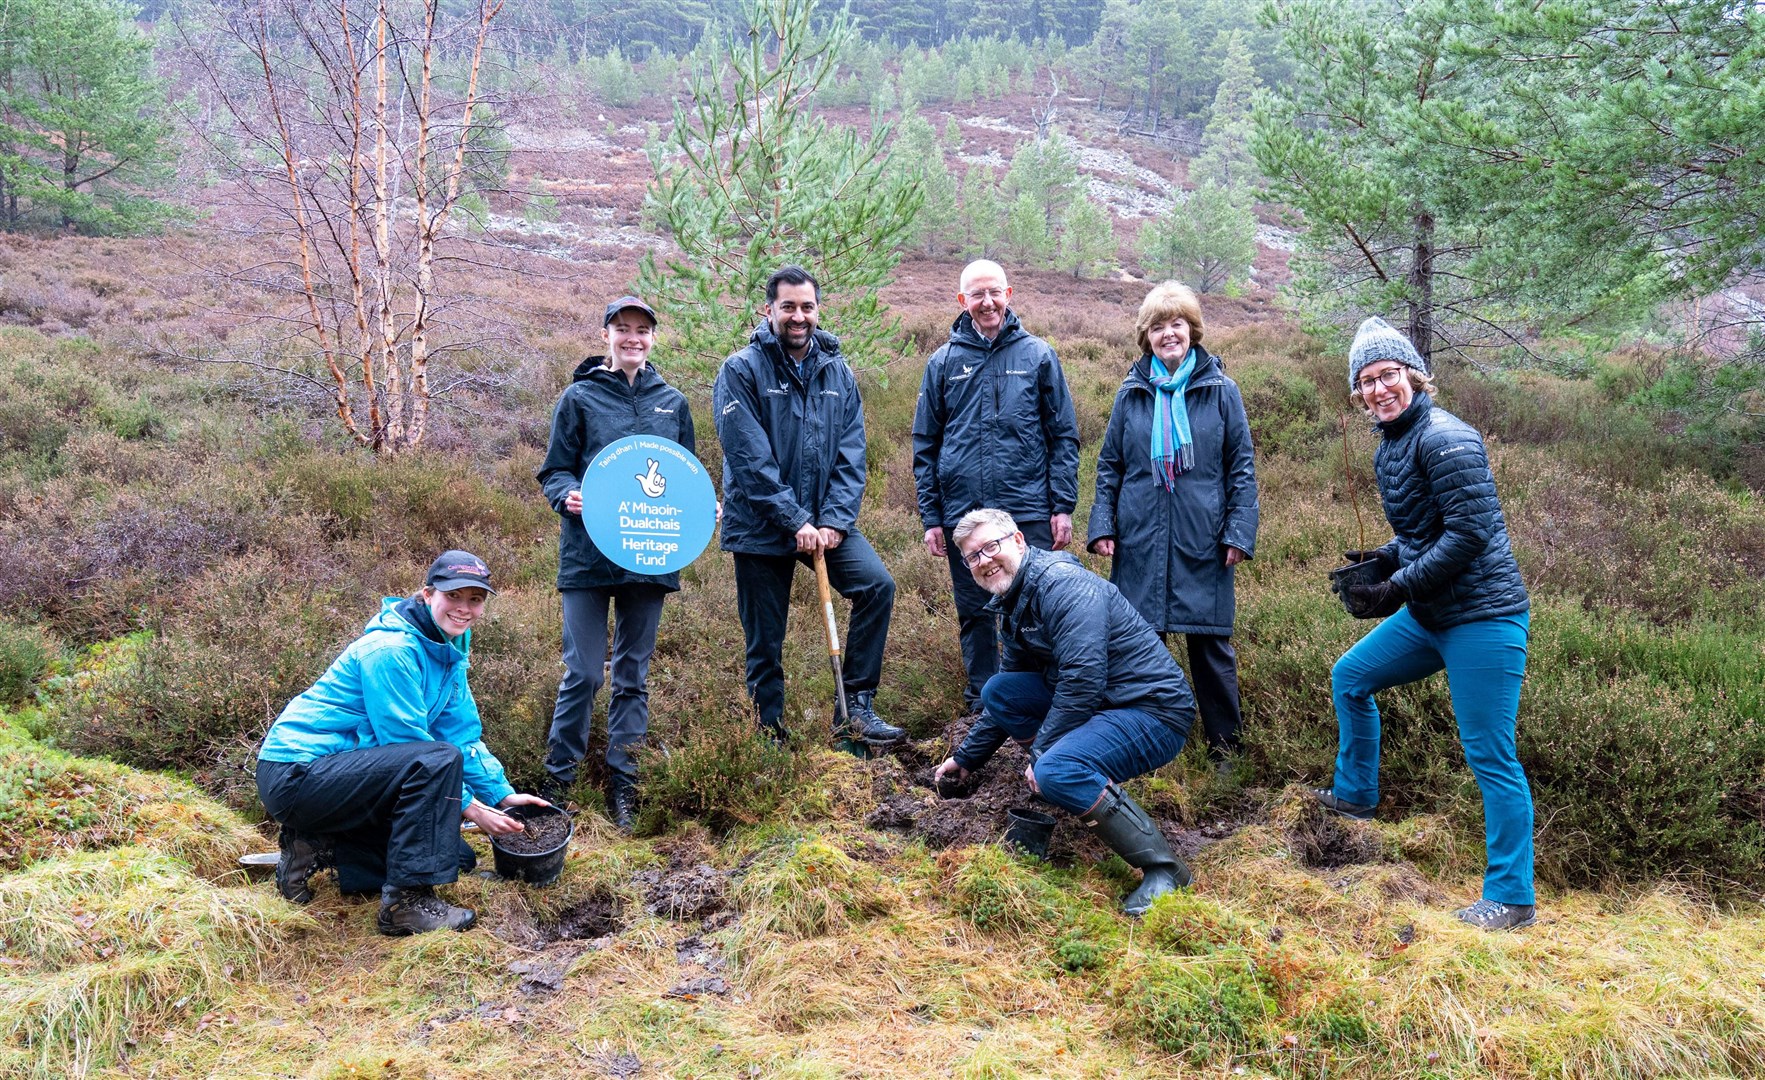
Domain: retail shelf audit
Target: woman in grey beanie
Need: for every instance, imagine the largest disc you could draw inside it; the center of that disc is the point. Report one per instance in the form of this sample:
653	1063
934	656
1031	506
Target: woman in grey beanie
1450	596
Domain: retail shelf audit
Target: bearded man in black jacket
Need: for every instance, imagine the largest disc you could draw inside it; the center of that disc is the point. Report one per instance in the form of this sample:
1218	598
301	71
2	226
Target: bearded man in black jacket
1088	689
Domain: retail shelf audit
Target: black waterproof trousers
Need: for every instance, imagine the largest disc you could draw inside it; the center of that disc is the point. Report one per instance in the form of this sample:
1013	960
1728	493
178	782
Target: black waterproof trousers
1213	671
763	598
391	812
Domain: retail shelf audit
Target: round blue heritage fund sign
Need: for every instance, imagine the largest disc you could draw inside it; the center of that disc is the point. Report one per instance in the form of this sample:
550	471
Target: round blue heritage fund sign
648	505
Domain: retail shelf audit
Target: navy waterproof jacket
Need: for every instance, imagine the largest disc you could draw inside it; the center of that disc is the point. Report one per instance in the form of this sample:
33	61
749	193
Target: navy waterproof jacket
599	407
1451	546
1170	546
793	443
1090	645
994	427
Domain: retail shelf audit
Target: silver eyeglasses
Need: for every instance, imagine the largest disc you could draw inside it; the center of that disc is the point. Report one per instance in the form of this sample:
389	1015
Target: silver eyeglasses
1388	377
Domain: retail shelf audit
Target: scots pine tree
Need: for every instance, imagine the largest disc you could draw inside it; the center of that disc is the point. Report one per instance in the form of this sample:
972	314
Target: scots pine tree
1208	241
751	178
1087	239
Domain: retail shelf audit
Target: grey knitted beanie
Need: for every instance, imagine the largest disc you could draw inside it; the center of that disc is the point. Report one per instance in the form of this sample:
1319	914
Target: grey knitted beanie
1379	340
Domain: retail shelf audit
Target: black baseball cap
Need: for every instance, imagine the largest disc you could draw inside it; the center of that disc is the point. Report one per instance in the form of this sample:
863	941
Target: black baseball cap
458	570
627	302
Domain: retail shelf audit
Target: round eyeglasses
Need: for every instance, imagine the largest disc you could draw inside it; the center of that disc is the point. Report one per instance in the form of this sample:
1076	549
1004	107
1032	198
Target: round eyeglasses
1386	378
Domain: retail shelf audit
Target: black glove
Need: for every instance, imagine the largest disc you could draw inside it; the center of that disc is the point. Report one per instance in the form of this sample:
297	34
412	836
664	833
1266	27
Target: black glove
1374	601
1386	560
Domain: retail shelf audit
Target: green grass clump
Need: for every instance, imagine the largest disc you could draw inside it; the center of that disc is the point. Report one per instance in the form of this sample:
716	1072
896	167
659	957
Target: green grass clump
1202	1008
116	945
807	888
995	890
26	653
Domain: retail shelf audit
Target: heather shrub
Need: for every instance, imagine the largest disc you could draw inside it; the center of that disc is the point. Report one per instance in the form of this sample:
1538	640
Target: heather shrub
516	663
720	772
25	655
1643	745
197	691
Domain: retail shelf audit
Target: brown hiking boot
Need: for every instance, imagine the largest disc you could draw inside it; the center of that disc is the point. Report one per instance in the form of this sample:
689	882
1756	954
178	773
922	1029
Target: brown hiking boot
416	909
300	858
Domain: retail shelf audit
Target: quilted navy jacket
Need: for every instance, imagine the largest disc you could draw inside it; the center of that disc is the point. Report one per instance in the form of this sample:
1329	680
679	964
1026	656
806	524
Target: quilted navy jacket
1452	541
1091	646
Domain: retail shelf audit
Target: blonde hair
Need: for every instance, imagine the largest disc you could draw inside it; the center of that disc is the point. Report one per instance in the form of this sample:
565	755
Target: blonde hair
1418	381
1171	300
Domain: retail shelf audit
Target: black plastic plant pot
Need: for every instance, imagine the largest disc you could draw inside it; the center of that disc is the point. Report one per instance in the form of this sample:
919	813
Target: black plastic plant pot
533	867
1367	572
1029	831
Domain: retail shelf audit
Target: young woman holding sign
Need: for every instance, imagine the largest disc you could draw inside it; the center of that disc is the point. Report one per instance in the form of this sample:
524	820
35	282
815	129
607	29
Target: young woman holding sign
610	397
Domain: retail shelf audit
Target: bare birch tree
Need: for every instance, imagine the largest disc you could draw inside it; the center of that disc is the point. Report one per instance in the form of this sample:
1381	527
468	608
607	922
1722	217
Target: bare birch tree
345	133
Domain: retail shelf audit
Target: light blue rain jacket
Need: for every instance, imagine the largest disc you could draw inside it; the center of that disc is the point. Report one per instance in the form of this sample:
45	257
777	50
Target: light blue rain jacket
392	685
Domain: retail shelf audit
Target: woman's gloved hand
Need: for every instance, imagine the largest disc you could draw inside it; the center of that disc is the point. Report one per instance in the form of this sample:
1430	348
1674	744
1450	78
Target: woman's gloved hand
1374	601
1386	560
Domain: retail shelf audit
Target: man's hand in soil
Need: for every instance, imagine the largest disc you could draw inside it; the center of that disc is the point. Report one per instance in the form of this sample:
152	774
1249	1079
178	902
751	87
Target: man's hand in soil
1029	775
949	768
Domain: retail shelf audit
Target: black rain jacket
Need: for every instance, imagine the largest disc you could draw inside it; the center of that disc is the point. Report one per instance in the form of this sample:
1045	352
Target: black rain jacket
1454	561
1170	546
793	443
1090	645
599	407
994	427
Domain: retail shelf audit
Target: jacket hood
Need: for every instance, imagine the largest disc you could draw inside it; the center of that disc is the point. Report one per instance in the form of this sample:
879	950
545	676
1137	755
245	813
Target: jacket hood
763	336
1403	421
597	367
962	332
1207	366
390	620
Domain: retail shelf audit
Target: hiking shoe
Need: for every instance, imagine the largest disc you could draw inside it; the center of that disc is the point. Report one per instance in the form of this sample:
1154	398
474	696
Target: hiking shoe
417	910
1328	800
863	723
1490	915
299	861
621	801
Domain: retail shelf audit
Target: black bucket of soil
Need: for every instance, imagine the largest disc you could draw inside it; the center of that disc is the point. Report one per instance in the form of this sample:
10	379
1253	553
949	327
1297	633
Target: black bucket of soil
1029	831
1366	572
536	854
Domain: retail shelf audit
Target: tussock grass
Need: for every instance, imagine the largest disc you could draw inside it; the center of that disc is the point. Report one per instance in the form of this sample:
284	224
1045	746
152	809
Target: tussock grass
116	944
807	888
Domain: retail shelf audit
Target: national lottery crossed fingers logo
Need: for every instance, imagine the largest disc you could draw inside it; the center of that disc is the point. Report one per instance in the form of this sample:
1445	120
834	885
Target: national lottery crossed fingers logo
648	504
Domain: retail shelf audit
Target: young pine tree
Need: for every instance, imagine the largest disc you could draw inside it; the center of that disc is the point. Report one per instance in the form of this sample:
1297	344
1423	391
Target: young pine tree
1087	239
1208	241
750	178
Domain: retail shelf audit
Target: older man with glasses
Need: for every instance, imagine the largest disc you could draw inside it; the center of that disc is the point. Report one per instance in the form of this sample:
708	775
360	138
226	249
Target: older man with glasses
1087	687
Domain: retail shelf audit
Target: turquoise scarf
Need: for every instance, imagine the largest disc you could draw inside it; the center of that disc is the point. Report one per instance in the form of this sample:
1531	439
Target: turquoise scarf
1173	449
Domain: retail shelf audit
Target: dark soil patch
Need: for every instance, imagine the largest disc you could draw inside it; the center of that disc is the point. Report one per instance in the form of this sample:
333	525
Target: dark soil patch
596	916
544	831
689	893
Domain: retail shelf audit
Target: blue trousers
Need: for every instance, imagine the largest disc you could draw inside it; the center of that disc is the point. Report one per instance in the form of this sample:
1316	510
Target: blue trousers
1485	663
1115	744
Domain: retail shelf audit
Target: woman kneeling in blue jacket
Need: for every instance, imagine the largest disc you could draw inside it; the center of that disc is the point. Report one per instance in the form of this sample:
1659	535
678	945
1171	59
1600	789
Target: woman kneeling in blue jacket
385	754
1451	597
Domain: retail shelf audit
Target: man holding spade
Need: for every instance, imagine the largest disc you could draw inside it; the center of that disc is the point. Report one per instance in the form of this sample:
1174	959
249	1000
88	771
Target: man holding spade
792	428
609	398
